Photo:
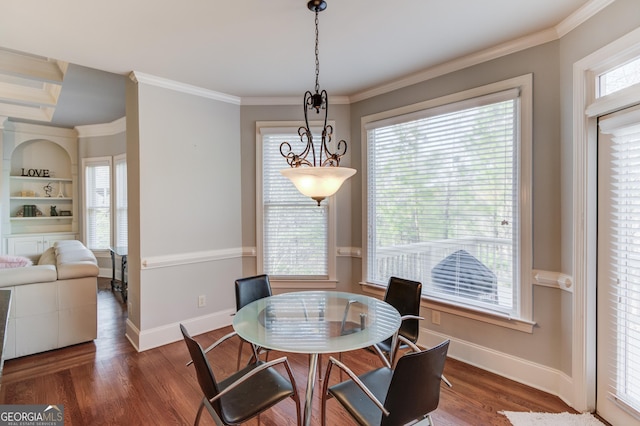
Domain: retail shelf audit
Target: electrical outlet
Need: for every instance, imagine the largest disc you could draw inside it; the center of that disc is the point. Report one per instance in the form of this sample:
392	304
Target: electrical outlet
202	301
435	317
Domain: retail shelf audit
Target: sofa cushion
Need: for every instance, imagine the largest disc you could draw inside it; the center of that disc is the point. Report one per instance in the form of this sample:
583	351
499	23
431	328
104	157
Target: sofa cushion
28	275
48	257
69	244
14	262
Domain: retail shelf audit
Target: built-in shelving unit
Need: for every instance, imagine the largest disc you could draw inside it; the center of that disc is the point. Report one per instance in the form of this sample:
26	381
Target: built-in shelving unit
40	170
20	185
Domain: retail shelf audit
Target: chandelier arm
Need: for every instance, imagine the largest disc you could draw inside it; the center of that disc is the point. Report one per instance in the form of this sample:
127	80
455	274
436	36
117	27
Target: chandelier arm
325	149
307	105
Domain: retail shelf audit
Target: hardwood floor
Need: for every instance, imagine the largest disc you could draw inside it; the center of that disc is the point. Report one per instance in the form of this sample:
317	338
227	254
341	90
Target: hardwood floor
106	382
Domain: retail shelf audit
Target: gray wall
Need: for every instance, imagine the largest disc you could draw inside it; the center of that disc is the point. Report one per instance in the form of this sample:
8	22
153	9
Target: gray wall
184	185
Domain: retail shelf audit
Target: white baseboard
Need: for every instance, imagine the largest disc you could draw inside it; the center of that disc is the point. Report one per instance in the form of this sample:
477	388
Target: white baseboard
169	333
521	370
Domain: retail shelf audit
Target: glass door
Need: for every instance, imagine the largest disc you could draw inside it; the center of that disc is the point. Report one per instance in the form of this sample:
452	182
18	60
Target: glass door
618	303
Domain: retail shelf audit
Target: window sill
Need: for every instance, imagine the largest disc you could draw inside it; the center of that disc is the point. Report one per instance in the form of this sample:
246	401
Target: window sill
461	311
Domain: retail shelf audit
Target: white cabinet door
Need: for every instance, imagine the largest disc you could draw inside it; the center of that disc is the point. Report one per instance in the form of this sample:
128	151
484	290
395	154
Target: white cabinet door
31	246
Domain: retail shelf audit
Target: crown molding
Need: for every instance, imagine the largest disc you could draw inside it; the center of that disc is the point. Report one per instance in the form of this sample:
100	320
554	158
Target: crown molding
495	52
106	129
581	15
138	77
290	100
40	130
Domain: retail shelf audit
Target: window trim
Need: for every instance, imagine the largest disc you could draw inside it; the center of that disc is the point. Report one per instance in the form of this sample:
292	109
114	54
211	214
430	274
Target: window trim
525	84
264	127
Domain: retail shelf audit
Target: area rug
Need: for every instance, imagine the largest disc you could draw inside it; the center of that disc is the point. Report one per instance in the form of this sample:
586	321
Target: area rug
551	419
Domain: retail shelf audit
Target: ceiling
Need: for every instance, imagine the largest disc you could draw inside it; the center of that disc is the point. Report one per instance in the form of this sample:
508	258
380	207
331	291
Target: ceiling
248	48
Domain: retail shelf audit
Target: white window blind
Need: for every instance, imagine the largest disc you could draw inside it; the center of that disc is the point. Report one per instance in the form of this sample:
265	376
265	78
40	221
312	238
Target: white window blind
443	196
97	183
295	228
121	212
624	261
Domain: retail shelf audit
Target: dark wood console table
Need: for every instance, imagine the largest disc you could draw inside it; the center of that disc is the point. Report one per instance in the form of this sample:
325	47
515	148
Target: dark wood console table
122	285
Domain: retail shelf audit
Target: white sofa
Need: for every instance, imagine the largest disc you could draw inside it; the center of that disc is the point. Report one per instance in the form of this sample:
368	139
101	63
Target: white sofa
53	303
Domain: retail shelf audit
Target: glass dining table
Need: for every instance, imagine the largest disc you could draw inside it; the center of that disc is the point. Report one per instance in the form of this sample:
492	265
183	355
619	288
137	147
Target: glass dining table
316	322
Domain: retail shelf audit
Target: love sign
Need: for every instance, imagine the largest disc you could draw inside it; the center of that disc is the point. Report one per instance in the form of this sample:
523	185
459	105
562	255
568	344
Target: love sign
36	172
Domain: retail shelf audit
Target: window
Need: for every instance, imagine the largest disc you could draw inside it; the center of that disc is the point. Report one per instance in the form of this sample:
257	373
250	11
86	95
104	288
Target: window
121	212
105	201
619	78
294	233
445	199
97	199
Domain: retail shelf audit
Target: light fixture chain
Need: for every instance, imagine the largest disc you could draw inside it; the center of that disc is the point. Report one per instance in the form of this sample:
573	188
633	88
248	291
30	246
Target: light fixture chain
317	56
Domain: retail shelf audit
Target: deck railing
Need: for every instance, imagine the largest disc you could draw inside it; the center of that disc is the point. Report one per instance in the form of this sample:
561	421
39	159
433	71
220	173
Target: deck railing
421	258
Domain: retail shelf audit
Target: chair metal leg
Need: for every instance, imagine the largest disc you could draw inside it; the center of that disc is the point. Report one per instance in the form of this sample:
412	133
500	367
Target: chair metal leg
447	382
199	413
319	365
216	419
239	353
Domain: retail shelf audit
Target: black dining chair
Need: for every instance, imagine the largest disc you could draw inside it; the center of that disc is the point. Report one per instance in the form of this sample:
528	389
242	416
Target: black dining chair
246	393
405	296
250	289
389	397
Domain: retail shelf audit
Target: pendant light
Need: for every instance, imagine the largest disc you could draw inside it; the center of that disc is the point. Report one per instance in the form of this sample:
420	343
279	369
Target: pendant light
316	177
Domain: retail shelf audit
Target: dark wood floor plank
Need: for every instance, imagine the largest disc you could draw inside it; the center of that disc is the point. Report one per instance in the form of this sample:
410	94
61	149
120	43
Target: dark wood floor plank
106	382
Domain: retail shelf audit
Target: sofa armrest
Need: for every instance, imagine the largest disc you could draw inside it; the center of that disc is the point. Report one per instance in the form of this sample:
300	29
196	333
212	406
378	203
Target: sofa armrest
28	275
74	260
79	269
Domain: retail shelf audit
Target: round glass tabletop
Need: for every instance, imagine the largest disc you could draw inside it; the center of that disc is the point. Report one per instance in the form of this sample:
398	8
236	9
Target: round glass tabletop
316	321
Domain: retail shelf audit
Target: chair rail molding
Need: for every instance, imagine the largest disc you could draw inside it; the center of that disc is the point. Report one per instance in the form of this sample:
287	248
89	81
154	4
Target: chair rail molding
349	252
552	279
177	259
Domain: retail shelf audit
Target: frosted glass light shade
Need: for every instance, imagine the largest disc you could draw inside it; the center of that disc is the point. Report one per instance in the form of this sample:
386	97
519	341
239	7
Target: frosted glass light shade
318	182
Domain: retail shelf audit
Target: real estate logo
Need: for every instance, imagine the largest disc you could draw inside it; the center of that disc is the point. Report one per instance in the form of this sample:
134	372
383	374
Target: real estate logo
31	415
